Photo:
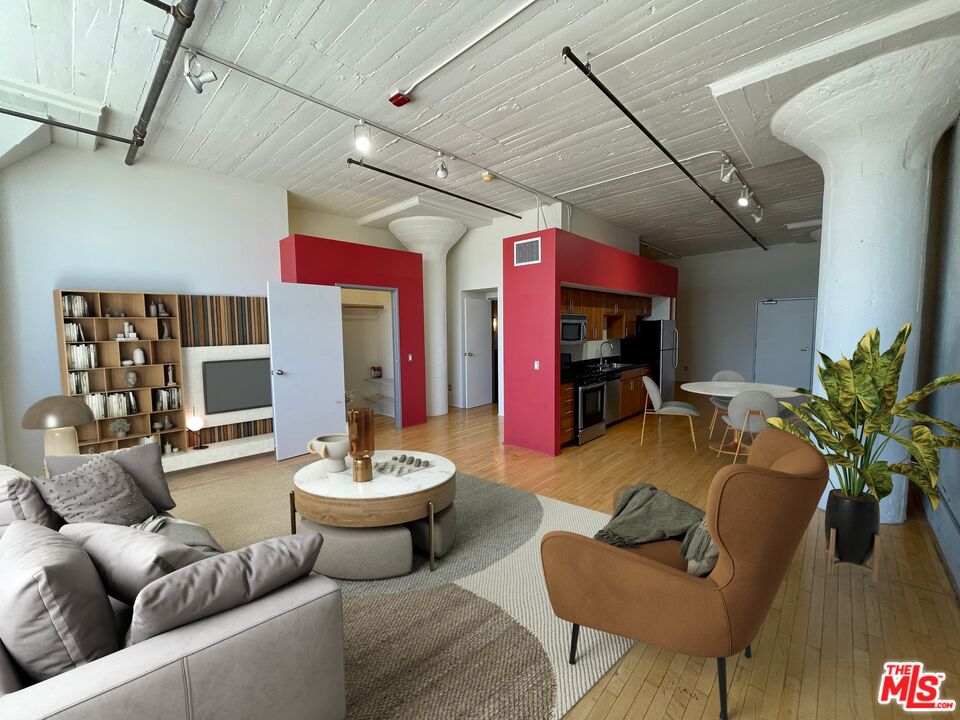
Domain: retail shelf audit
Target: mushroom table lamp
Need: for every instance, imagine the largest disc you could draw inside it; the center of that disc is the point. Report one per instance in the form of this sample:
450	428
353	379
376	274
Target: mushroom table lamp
195	425
59	416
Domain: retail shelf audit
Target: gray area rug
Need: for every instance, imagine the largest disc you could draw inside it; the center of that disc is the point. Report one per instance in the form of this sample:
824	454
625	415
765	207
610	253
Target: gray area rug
476	639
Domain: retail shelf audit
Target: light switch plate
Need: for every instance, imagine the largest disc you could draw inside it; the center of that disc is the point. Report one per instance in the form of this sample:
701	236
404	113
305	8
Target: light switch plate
536	364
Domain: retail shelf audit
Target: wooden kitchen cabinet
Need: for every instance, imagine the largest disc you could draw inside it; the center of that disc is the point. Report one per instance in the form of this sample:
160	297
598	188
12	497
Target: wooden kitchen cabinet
633	395
571	300
566	413
644	306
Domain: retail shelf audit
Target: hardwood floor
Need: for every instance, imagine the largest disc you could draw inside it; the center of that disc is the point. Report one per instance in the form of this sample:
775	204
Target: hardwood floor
821	649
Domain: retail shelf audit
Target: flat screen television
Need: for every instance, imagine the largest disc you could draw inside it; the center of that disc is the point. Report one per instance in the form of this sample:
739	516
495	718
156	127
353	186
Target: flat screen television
231	385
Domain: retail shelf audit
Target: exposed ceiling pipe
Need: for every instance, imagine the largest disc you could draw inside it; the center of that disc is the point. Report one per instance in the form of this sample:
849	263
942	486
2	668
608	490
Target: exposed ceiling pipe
65	126
585	69
182	14
361	163
668	253
353	116
708	153
402	97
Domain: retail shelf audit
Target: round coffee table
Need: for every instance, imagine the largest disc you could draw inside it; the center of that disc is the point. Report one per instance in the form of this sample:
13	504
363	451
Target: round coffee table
333	500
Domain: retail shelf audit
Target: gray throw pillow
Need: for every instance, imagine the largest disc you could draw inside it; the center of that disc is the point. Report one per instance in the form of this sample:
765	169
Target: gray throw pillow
129	559
143	462
10	680
56	615
20	500
220	583
98	491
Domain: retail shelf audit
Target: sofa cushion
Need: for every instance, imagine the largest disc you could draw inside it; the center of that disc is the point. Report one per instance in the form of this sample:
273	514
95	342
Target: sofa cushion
143	462
97	491
9	674
56	615
129	559
221	582
20	500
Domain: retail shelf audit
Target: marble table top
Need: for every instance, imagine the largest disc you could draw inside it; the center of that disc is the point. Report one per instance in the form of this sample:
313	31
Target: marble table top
728	389
315	479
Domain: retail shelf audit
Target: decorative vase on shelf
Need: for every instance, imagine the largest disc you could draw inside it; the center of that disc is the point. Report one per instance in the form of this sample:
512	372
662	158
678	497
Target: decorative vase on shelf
121	434
152	310
139	358
167	425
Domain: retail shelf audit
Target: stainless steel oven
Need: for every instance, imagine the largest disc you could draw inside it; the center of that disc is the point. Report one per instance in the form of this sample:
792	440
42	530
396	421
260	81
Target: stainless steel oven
573	329
591	410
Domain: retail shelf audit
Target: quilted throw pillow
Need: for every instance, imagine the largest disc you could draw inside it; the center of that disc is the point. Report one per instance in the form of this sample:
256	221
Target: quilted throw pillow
98	491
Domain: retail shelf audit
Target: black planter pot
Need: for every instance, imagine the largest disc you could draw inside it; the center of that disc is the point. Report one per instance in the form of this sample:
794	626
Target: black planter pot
857	520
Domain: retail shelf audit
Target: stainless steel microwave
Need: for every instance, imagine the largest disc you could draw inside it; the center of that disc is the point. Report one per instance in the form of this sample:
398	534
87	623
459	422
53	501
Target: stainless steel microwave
573	329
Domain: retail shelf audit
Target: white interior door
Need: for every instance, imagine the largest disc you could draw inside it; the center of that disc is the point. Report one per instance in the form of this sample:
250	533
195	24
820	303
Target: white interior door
306	360
477	352
784	351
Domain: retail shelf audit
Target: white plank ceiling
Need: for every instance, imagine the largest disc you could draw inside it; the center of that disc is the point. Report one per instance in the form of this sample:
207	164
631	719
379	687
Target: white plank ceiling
508	104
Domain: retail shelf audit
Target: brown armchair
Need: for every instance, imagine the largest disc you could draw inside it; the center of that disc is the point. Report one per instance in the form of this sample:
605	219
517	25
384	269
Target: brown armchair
757	514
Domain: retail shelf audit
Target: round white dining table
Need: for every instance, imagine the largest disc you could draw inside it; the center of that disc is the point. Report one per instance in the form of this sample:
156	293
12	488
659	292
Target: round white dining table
728	389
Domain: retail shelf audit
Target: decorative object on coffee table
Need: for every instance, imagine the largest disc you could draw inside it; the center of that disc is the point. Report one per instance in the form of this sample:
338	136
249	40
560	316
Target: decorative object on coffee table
59	416
195	425
853	426
360	425
120	427
333	449
363	523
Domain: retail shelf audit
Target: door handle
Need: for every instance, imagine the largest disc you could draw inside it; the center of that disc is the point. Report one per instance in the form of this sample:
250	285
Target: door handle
278	372
468	354
805	349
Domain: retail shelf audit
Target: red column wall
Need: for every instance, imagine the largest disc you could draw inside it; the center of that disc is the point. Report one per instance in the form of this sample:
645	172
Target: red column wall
320	261
531	331
581	261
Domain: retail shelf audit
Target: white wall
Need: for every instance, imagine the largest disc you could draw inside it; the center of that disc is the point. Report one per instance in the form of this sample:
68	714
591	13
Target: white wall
590	226
716	306
335	227
77	219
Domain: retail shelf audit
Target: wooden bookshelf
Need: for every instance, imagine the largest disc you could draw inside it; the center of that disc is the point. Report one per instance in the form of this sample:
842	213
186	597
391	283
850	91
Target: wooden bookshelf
95	319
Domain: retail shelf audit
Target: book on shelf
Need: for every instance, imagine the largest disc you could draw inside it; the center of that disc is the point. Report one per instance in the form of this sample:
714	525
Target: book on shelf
168	399
74	306
81	357
97	402
79	383
121	403
73	332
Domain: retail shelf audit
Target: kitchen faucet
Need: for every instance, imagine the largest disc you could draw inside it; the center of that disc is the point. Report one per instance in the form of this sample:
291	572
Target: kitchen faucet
603	359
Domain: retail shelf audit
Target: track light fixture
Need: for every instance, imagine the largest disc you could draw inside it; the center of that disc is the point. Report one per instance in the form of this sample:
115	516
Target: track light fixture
745	196
727	170
757	214
361	137
486	176
440	167
195	75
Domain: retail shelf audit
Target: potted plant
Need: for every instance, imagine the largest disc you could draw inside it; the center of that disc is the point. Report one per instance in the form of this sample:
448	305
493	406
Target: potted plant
120	427
853	426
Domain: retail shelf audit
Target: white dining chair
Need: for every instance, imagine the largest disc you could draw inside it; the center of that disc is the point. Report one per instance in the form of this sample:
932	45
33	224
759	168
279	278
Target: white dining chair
720	403
747	413
671	407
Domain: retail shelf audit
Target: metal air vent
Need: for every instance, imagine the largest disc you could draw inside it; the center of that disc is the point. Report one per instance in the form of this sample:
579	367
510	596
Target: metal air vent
526	252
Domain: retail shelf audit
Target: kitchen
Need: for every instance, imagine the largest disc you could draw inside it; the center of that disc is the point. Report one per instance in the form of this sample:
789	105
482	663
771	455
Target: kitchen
608	290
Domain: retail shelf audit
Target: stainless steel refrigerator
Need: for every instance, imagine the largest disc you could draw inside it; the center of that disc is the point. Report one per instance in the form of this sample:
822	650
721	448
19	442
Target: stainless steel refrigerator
656	345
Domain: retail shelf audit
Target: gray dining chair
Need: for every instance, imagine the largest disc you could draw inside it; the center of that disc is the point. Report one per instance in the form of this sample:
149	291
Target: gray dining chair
656	406
720	403
747	413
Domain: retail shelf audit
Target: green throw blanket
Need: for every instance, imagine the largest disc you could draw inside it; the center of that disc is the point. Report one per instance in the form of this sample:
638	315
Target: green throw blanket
645	514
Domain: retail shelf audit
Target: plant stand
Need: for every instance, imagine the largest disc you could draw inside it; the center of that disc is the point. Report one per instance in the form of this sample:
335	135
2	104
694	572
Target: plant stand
873	566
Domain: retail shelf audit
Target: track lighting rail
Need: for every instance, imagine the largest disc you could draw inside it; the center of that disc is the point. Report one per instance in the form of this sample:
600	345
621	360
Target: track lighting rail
585	69
361	163
66	126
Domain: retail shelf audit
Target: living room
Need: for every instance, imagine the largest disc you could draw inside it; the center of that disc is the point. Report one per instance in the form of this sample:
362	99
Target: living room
394	489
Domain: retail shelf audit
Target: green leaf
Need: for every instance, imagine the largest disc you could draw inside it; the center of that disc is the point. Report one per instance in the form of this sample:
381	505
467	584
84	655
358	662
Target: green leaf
864	364
919	477
827	373
838	460
878	422
918	395
782	424
821	433
919	417
878	477
924	451
846	391
889	365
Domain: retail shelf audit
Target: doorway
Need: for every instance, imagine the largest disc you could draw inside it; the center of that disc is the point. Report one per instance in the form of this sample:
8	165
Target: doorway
370	350
784	342
480	327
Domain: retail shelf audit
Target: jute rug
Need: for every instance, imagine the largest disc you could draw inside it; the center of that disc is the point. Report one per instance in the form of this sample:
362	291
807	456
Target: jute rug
476	639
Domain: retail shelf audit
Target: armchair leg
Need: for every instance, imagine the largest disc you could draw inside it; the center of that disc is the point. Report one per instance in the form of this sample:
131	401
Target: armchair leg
722	679
643	426
748	652
573	644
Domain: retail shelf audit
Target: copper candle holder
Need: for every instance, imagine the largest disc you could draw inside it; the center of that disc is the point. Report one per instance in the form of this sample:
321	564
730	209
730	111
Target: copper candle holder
360	429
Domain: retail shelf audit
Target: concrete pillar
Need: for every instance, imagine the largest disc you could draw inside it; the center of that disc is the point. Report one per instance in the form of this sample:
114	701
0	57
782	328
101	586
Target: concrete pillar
872	129
432	237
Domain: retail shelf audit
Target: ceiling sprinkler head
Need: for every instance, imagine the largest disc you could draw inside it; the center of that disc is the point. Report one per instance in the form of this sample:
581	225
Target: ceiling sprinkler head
486	176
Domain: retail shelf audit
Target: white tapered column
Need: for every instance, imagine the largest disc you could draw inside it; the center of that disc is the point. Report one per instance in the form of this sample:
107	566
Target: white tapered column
872	129
432	237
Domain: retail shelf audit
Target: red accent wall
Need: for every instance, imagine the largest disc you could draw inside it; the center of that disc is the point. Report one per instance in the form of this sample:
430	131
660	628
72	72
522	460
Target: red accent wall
321	261
530	322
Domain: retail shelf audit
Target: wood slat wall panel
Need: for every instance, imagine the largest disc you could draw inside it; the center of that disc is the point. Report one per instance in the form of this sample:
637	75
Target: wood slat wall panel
209	320
235	431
